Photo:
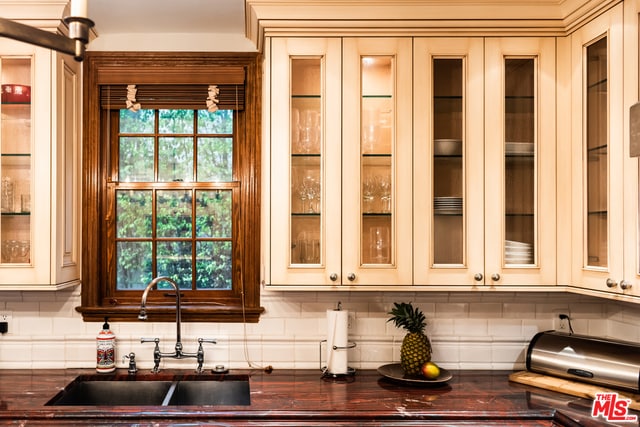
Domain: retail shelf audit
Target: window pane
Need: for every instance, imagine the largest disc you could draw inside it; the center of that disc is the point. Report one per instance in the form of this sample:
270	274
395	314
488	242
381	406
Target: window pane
219	122
213	265
175	121
213	213
133	213
142	121
174	260
215	159
173	212
136	159
175	159
134	266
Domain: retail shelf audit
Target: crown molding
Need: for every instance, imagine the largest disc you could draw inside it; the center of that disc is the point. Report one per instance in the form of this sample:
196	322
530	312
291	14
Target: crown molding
418	17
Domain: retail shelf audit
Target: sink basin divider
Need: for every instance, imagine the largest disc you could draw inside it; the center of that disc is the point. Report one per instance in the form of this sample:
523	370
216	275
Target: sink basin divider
169	395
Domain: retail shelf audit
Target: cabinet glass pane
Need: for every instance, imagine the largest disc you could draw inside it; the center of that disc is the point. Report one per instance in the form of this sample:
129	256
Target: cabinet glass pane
15	160
519	161
597	154
376	148
448	177
306	149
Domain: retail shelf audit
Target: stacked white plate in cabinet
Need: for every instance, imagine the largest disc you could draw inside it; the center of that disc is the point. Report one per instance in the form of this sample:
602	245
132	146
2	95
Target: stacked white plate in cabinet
518	252
447	205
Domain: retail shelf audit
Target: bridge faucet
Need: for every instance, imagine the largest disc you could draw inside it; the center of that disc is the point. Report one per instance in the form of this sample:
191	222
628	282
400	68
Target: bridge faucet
177	353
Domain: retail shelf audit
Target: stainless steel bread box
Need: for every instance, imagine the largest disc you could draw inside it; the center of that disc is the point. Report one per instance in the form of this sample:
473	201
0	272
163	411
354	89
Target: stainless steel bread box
602	361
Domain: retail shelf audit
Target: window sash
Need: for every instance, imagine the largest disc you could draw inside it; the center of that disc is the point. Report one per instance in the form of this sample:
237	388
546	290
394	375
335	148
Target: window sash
194	295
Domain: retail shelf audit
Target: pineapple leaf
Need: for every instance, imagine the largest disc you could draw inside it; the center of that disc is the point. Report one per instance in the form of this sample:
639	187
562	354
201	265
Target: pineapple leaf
404	315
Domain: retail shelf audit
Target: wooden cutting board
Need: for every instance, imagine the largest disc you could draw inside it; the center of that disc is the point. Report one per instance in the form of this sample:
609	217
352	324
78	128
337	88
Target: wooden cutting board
573	388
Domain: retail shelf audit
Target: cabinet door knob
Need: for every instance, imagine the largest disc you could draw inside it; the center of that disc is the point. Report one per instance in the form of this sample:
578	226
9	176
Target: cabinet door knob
478	277
611	283
333	277
351	277
624	285
495	277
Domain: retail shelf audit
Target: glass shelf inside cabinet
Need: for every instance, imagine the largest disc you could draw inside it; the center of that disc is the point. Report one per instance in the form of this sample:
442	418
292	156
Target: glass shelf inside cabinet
15	160
597	155
448	174
306	174
377	159
519	161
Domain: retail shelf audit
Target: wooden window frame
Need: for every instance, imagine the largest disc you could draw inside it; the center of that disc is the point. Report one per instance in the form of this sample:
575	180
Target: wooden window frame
242	305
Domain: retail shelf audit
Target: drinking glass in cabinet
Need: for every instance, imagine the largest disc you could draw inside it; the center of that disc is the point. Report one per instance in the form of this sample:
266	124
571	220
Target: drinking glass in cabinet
15	251
7	194
308	248
379	250
307	193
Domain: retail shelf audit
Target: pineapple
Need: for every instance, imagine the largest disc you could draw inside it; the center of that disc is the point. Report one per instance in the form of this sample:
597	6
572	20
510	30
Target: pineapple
416	348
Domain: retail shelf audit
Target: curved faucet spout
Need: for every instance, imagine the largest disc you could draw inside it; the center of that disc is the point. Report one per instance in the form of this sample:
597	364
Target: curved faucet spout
143	306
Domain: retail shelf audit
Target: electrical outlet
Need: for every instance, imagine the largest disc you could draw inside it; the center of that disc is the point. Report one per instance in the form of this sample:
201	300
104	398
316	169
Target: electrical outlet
563	323
5	318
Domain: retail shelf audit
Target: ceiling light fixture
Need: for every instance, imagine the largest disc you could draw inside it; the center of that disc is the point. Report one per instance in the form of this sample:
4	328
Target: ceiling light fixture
75	44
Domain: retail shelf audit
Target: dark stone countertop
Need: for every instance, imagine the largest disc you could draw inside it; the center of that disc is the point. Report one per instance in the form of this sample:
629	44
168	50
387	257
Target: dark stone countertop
303	397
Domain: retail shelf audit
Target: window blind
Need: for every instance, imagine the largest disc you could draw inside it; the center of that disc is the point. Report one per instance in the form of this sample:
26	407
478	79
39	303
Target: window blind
178	87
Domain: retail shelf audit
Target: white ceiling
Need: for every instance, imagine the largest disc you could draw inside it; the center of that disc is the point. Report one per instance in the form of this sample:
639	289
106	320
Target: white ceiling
171	25
167	16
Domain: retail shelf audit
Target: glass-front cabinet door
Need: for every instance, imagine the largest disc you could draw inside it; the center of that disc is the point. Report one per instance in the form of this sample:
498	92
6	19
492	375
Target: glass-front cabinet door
40	192
306	189
377	143
598	158
448	167
15	159
520	148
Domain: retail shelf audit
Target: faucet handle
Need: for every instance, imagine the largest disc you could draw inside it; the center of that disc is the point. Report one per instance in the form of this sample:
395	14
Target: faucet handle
156	353
132	362
200	353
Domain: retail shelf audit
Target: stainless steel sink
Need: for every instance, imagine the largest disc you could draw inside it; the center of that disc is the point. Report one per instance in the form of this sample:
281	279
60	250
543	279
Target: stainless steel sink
211	393
155	390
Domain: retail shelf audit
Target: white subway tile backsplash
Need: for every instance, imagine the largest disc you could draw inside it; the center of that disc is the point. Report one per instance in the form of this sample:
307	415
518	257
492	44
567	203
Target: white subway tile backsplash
485	310
306	327
468	330
470	327
448	310
518	310
504	327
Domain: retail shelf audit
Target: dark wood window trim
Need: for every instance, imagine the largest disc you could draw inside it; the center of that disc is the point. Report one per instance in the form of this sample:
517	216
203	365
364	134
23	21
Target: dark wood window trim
243	305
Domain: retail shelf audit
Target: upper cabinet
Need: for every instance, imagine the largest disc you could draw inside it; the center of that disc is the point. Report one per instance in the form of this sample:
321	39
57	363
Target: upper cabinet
517	146
598	161
404	162
484	119
39	220
340	209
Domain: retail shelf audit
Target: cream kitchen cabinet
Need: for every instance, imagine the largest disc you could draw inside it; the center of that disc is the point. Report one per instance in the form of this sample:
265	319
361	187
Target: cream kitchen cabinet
39	146
484	129
340	154
599	163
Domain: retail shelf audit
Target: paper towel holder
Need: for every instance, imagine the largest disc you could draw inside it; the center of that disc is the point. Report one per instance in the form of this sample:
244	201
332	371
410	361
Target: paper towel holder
325	370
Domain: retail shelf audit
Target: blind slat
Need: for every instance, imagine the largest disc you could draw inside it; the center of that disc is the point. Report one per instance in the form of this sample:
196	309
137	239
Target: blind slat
231	97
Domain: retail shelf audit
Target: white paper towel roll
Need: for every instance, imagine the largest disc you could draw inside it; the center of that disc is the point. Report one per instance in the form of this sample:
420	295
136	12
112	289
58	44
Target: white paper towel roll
337	325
